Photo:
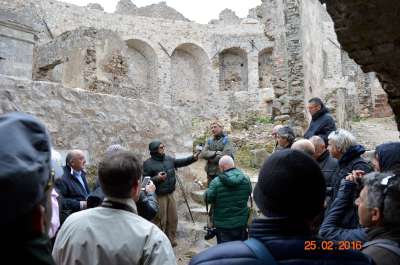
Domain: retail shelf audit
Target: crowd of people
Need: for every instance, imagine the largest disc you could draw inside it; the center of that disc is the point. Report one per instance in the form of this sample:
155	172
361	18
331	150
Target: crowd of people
323	200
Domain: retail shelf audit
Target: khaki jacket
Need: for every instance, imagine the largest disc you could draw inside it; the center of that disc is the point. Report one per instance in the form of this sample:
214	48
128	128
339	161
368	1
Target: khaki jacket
111	236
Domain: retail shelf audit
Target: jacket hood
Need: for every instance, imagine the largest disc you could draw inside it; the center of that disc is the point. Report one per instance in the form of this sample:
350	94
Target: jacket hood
232	177
388	156
353	152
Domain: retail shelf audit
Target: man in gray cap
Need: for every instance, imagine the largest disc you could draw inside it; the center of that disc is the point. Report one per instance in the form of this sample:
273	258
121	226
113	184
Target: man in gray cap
25	187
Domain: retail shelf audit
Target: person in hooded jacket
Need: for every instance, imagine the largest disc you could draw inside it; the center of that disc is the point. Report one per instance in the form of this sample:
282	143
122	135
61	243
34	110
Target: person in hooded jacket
290	194
386	159
322	123
26	185
229	193
343	147
161	168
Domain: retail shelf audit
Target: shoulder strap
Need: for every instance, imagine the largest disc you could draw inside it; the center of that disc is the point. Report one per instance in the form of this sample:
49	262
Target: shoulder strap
118	206
387	244
225	140
262	253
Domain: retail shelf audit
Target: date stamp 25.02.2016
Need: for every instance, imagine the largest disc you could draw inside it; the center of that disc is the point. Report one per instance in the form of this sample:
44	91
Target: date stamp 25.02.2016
327	245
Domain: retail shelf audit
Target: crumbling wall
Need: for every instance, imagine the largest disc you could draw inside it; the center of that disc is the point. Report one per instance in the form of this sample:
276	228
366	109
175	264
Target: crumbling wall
90	121
189	77
143	69
265	73
17	39
159	10
233	70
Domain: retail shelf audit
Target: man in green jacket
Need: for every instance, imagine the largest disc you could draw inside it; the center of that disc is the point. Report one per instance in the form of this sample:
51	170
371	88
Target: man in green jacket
229	193
216	147
161	168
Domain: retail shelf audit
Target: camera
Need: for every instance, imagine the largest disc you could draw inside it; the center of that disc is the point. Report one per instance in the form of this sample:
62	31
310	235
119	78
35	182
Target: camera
211	232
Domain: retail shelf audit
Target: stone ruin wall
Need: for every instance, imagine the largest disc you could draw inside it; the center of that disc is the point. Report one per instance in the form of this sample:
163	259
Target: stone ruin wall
308	61
206	70
227	68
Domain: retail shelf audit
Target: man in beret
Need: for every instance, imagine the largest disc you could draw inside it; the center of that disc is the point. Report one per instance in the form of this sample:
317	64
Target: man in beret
290	193
161	168
25	187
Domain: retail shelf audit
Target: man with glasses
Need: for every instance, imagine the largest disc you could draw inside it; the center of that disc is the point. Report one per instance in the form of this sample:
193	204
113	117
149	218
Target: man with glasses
161	168
322	123
379	215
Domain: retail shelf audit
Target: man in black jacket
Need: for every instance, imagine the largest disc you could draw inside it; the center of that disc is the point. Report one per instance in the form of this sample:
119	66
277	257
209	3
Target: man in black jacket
73	186
290	194
161	168
322	123
328	164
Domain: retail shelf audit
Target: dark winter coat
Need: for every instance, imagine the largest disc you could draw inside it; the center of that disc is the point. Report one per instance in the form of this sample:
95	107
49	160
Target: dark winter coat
35	251
322	124
165	163
389	156
285	240
380	255
229	193
71	192
351	160
328	165
331	228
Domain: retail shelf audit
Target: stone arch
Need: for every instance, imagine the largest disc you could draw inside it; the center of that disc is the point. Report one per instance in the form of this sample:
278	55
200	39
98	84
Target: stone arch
190	72
142	69
233	70
265	68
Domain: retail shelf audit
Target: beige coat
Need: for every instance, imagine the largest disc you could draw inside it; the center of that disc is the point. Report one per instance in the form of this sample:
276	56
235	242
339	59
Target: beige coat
111	236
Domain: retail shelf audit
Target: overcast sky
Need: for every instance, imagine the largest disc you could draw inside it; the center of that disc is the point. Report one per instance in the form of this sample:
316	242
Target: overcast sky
201	11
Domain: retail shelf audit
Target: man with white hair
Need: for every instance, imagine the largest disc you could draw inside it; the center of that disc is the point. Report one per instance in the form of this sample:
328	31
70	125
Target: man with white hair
304	145
73	186
228	193
274	134
343	146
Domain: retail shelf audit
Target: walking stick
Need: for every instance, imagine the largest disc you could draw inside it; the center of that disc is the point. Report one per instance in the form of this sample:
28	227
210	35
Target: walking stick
184	196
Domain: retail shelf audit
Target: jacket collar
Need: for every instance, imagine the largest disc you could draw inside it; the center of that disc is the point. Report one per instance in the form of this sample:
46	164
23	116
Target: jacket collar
384	233
128	201
267	227
323	156
352	153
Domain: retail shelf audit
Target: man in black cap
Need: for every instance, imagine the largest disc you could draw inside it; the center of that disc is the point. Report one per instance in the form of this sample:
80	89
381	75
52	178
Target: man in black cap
25	187
161	168
290	193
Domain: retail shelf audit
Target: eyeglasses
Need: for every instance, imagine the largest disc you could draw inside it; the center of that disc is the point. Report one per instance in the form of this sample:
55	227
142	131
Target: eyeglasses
161	147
